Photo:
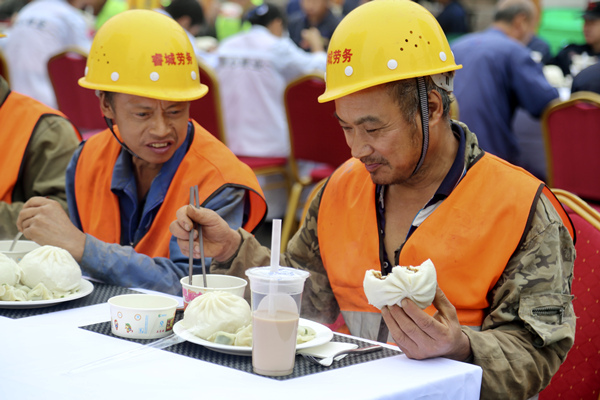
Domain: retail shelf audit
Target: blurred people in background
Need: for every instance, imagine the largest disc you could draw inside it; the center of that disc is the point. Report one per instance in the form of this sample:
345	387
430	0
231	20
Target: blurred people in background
315	16
189	15
453	19
499	75
8	8
42	29
575	57
125	183
37	144
587	80
253	70
540	49
102	10
230	18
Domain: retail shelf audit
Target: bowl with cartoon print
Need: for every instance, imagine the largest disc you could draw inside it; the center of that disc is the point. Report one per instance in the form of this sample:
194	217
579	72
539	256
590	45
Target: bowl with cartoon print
142	316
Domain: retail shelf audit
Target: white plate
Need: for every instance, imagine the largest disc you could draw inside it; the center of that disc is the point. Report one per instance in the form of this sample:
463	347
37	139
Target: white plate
324	335
85	287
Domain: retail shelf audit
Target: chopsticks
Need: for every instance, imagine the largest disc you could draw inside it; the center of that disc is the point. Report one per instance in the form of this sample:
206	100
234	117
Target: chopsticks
195	202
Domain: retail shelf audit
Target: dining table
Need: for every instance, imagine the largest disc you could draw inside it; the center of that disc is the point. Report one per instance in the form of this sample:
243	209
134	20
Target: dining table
65	350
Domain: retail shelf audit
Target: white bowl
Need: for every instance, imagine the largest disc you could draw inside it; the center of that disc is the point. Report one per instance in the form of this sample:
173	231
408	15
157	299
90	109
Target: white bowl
142	316
224	283
21	248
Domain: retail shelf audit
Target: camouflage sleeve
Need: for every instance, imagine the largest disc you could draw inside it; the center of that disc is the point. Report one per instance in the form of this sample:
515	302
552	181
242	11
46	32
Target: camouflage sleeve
49	151
530	326
318	301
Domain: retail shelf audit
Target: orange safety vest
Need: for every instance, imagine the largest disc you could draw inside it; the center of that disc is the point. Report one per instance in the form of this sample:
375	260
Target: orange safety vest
20	116
208	164
470	237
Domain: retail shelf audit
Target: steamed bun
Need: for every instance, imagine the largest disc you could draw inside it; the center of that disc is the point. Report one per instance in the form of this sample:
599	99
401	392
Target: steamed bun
52	266
214	312
10	273
417	283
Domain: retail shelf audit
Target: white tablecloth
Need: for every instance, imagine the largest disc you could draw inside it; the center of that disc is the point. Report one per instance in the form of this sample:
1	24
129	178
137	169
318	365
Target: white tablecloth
38	352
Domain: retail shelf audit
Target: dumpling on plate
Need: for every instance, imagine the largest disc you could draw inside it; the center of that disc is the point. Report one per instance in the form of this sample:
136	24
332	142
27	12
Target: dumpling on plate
243	337
52	266
216	311
10	272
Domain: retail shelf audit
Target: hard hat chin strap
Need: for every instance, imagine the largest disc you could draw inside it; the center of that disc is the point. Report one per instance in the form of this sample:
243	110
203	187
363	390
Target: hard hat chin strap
424	107
109	123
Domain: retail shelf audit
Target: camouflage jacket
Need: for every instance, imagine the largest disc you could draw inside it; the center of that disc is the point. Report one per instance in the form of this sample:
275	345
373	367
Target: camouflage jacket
519	346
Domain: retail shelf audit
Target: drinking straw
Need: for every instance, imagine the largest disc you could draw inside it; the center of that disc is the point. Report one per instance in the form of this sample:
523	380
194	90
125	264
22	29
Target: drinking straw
275	244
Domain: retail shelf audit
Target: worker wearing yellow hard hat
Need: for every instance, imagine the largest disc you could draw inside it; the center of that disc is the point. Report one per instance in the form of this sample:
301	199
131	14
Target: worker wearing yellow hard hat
418	194
125	183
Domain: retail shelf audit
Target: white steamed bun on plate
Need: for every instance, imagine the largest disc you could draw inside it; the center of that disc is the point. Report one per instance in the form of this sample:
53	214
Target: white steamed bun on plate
216	311
52	266
416	283
10	272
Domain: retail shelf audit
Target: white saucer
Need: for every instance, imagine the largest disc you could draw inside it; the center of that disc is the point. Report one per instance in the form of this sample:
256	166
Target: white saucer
85	287
324	335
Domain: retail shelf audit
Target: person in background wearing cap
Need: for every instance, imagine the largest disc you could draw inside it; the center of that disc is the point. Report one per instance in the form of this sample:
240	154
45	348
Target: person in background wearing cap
419	187
125	184
254	68
37	144
499	76
589	52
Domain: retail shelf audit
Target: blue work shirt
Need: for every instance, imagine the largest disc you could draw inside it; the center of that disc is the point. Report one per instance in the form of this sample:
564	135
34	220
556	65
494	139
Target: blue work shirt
498	75
119	263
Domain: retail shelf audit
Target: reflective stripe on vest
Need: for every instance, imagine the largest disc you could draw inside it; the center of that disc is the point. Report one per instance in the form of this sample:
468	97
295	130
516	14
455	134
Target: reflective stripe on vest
19	115
208	164
467	232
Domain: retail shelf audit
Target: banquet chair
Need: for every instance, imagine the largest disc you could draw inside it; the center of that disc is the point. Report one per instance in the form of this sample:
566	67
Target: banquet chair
571	135
79	104
315	135
4	67
207	109
577	377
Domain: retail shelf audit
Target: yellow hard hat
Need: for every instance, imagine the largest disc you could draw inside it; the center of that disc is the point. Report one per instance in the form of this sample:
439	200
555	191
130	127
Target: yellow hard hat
383	41
144	53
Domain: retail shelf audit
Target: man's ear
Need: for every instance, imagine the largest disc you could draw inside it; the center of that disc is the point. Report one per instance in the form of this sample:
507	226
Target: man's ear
436	106
106	106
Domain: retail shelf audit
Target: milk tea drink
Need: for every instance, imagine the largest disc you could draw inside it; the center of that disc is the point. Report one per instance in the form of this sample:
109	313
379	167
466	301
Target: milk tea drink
276	299
272	339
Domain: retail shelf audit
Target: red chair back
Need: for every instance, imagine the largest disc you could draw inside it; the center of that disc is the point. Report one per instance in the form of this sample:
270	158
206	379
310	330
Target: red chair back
207	110
315	133
79	104
571	131
578	376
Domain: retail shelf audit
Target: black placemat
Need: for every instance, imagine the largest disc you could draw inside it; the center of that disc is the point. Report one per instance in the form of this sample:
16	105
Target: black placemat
302	366
101	293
